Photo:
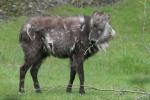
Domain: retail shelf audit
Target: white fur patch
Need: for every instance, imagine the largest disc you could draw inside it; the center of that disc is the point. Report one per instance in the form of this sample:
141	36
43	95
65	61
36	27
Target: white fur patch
73	47
108	29
28	26
113	32
82	20
49	41
104	46
82	29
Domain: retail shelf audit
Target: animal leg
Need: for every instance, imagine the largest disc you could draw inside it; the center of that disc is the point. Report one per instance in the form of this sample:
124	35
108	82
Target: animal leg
23	69
77	66
72	77
34	73
80	71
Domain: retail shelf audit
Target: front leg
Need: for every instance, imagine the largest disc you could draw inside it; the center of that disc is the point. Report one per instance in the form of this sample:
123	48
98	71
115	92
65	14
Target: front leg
79	60
77	66
72	77
73	70
81	77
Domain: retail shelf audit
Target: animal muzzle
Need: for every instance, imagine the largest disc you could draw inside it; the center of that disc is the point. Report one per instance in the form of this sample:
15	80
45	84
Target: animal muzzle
103	43
112	32
109	33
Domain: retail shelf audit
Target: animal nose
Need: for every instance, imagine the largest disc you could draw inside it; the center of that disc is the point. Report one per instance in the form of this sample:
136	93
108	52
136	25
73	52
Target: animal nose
113	33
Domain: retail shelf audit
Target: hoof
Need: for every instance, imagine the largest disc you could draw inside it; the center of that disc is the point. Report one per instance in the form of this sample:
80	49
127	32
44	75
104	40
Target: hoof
38	91
81	93
69	90
21	91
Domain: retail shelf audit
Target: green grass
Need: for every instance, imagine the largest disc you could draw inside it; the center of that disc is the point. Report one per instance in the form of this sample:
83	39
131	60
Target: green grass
125	65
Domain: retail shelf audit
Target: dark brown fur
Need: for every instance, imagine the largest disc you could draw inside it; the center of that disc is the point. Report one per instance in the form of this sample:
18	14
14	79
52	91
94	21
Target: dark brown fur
76	47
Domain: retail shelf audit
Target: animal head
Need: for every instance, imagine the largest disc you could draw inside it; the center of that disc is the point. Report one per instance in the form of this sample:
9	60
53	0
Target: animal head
100	29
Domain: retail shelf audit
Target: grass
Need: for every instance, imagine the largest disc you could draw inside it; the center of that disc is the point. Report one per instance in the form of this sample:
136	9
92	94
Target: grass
125	65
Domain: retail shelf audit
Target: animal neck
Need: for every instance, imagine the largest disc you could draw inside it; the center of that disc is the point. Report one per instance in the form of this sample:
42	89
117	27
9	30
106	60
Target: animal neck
87	24
85	29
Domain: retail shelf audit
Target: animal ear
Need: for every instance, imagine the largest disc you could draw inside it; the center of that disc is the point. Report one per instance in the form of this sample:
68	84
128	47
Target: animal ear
97	13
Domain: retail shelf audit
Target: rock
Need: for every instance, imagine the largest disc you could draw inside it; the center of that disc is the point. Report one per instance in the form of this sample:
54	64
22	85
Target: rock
34	7
2	14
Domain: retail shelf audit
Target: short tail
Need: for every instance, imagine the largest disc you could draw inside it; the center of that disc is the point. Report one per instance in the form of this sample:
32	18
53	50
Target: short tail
28	27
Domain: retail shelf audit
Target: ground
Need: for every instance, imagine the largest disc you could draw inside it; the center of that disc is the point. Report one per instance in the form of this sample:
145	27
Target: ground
125	65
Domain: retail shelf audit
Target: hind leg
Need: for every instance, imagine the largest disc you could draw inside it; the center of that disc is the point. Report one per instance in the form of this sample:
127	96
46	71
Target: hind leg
72	77
34	73
23	69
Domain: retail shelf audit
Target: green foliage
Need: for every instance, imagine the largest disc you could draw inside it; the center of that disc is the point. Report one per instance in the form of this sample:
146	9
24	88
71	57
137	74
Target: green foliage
125	65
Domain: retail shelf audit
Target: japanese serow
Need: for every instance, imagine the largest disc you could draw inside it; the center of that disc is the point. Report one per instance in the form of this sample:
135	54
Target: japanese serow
76	38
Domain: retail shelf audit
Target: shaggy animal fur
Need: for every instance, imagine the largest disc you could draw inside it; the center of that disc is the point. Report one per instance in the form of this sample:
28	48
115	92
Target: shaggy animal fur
77	38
